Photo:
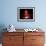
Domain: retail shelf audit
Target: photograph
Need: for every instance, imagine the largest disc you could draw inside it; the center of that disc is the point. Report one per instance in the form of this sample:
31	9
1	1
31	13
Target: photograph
26	14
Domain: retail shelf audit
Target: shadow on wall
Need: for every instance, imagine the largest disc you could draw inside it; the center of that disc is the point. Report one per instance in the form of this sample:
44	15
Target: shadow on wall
2	26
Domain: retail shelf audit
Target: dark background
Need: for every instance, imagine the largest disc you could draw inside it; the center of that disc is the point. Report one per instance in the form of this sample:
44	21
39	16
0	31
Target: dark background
30	11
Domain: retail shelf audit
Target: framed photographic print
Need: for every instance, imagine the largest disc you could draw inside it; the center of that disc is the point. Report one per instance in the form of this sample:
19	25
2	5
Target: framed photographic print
26	14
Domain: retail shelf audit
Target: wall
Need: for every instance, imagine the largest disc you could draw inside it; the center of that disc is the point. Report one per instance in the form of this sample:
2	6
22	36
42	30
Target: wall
9	13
